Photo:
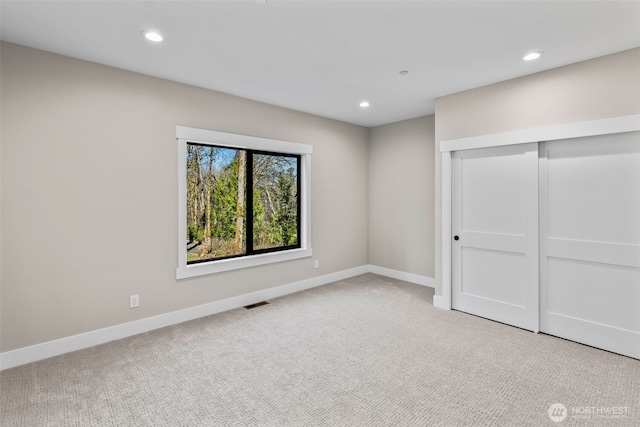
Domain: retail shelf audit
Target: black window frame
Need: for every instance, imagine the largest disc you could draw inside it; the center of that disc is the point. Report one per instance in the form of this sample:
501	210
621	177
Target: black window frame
249	189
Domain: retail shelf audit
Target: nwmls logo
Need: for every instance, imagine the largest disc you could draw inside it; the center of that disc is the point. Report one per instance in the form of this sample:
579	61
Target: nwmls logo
557	412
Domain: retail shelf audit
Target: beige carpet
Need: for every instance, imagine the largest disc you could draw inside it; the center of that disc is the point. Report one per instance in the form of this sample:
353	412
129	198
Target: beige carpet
368	351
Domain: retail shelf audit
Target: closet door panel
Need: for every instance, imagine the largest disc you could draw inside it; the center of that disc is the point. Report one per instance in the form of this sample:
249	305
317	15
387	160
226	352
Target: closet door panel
590	241
495	224
591	292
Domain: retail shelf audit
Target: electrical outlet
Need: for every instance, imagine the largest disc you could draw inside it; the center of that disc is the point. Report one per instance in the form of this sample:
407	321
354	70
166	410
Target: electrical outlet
316	264
134	301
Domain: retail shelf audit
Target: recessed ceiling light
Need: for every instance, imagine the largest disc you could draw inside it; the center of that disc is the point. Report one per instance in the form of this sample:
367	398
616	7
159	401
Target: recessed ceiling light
364	104
532	56
152	35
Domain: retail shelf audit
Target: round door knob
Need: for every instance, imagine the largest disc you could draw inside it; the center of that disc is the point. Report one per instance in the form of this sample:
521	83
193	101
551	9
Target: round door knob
456	238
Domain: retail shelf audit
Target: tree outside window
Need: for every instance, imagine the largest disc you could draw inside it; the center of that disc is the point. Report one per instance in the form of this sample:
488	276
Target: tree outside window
223	185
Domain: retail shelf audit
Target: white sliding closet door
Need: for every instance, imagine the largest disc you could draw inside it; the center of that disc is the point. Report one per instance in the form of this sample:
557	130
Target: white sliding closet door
495	221
590	241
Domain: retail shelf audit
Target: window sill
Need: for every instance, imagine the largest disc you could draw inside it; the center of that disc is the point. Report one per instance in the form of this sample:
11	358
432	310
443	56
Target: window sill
220	266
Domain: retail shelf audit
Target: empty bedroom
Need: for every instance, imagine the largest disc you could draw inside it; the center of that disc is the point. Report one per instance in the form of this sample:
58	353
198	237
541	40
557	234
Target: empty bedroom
319	213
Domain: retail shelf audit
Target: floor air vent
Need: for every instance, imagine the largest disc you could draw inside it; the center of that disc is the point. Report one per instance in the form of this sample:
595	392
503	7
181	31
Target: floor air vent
258	304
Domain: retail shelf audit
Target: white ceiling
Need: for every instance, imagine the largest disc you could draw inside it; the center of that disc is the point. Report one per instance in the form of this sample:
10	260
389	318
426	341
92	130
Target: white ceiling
324	57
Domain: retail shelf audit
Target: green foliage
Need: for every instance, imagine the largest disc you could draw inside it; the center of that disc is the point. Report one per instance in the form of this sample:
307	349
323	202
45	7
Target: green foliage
212	188
195	233
224	202
259	225
287	217
278	198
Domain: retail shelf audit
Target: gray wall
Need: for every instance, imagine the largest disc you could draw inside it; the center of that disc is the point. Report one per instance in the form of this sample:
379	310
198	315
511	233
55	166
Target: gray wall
401	196
89	183
89	194
600	88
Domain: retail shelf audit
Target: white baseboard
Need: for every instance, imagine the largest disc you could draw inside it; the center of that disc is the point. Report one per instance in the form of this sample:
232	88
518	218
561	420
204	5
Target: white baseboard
438	301
48	349
401	275
441	302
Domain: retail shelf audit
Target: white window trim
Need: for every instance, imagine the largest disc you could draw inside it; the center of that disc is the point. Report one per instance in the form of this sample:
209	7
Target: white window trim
210	137
606	126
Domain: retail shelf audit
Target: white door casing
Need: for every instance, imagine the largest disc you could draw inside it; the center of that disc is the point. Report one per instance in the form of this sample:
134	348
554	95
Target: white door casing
495	229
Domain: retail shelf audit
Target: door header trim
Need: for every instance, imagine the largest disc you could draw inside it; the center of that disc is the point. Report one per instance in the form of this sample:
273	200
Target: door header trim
564	131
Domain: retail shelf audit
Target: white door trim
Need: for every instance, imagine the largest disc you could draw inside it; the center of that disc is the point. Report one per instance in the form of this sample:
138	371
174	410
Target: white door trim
549	133
444	301
570	130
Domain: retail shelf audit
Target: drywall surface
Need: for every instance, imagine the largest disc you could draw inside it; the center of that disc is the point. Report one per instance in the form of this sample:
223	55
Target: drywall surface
90	199
401	196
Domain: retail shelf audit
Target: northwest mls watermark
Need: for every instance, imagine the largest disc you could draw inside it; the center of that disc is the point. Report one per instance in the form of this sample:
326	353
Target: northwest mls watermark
558	412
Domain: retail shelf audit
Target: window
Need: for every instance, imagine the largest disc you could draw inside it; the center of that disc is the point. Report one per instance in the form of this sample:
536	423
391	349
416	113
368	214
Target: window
240	202
244	201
